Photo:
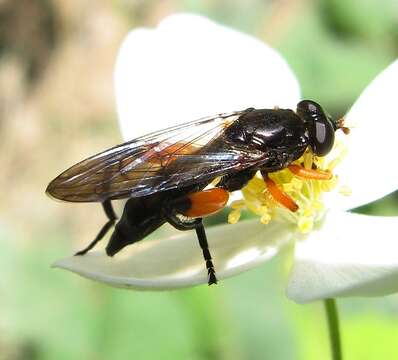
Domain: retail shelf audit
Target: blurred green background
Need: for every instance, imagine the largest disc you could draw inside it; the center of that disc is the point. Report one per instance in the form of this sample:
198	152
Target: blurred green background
57	106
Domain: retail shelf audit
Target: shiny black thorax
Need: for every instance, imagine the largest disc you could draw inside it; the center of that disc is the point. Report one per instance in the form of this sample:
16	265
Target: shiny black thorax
279	134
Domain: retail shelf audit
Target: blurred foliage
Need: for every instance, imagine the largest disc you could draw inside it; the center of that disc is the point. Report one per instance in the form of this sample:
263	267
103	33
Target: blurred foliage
56	106
29	31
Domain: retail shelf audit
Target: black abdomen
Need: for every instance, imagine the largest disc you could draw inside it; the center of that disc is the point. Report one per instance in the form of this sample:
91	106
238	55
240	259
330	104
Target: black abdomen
141	216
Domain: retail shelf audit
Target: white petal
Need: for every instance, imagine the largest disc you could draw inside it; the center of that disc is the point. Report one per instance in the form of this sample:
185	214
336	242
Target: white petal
177	261
189	67
351	255
370	168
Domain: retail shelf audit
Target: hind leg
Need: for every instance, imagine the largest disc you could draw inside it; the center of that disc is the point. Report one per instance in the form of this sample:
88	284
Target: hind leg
211	273
196	224
110	214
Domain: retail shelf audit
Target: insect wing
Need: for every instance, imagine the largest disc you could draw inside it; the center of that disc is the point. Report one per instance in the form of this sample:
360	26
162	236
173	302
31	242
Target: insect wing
178	156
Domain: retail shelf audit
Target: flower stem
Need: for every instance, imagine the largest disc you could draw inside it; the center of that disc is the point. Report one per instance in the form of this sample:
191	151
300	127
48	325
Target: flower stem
334	331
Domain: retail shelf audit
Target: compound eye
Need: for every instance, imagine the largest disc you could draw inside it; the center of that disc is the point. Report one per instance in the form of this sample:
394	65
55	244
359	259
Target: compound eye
320	128
322	137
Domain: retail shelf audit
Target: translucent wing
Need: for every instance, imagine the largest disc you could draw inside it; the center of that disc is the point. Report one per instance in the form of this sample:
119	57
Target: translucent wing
179	156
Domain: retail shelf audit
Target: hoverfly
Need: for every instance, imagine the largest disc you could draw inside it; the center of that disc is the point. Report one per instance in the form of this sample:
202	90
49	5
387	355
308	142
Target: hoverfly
164	175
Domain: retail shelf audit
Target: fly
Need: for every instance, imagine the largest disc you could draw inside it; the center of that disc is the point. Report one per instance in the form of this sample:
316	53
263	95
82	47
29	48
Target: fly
165	175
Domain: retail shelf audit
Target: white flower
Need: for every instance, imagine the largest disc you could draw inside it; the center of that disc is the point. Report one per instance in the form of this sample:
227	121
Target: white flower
190	67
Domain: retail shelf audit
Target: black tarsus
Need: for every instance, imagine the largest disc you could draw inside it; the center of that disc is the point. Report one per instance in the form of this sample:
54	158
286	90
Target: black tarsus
201	234
110	214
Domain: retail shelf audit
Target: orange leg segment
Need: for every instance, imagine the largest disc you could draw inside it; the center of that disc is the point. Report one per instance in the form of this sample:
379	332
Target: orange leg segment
278	195
309	173
207	202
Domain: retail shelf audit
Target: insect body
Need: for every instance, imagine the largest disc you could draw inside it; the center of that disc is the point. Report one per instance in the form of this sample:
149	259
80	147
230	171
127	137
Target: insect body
164	174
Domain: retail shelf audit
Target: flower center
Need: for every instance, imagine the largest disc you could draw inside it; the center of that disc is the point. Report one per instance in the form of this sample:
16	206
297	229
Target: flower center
306	193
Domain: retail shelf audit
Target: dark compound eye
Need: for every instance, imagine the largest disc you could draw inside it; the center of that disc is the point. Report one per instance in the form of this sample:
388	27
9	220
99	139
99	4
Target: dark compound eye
320	128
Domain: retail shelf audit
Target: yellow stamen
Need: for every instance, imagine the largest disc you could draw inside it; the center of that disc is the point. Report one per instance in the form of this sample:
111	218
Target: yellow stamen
305	224
234	216
306	193
237	204
308	159
265	219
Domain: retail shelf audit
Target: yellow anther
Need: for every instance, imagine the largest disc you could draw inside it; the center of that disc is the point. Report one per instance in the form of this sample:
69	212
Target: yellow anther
251	195
237	204
308	211
264	209
234	216
305	224
317	205
265	219
254	207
